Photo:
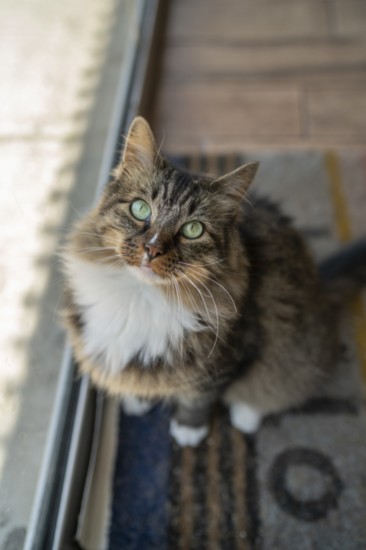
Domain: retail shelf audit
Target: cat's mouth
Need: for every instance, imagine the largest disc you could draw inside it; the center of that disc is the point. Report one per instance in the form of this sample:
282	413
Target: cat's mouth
146	272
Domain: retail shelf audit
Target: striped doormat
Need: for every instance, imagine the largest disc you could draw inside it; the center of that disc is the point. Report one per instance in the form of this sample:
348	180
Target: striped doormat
300	482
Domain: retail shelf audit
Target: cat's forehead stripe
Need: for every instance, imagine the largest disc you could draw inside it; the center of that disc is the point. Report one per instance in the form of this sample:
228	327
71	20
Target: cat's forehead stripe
192	207
178	187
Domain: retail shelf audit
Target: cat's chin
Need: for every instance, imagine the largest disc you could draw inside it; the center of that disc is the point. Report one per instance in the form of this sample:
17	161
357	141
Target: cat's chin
147	275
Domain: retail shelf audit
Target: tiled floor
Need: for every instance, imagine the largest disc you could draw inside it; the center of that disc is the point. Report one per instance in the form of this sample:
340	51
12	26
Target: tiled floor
259	73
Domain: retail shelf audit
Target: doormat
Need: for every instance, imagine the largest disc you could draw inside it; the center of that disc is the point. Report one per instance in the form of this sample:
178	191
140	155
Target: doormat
300	481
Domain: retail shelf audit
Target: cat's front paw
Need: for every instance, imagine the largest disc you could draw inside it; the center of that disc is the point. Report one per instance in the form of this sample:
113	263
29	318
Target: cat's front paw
245	418
135	406
187	436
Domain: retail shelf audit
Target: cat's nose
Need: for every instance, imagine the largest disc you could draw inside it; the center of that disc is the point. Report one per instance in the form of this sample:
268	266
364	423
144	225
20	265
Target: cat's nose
153	250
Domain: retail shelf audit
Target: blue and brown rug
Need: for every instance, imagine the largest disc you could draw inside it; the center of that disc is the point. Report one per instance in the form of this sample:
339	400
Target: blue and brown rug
300	482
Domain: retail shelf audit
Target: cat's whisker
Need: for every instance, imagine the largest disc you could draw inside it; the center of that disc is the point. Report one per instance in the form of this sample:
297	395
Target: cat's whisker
194	303
226	292
86	233
187	289
181	315
199	293
94	249
216	311
56	310
107	259
168	289
112	241
217	319
173	296
190	295
176	314
55	281
179	310
201	264
211	328
211	325
224	289
76	211
119	263
176	288
186	276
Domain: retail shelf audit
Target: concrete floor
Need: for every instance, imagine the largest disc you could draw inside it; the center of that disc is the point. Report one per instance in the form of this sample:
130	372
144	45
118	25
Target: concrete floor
59	67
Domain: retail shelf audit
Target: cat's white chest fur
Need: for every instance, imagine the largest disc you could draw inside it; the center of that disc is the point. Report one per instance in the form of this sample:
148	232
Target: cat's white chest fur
125	317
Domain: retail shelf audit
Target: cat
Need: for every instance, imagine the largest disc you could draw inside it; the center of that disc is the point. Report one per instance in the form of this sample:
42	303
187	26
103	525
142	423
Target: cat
182	287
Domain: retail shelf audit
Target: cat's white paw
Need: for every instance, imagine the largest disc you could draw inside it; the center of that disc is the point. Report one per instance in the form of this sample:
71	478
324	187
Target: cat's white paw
134	406
245	418
186	436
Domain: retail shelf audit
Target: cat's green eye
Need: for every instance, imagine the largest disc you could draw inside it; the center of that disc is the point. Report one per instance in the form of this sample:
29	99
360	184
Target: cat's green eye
140	210
192	230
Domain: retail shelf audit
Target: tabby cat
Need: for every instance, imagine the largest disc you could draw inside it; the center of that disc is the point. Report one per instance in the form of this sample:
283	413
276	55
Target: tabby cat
181	288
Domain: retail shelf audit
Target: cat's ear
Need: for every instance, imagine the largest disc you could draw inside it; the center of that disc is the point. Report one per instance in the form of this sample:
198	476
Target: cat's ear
140	151
235	184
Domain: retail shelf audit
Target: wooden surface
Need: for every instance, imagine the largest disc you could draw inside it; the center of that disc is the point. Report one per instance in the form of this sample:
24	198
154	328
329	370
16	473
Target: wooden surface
263	73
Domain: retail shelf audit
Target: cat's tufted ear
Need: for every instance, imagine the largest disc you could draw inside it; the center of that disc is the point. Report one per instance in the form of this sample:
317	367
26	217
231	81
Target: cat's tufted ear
140	151
235	184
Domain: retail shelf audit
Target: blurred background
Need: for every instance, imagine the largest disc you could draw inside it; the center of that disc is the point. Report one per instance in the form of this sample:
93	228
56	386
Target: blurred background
239	75
247	73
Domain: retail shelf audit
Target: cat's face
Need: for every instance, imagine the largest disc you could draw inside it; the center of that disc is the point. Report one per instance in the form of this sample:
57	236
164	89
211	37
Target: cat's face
166	223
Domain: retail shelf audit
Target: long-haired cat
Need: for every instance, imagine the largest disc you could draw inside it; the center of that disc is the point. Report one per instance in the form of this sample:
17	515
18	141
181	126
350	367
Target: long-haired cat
180	288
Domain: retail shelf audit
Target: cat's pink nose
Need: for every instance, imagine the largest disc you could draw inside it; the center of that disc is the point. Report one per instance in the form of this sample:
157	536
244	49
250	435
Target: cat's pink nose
153	250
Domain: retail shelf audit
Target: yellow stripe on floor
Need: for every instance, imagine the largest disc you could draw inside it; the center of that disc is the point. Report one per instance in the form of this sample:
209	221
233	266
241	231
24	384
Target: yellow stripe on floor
344	229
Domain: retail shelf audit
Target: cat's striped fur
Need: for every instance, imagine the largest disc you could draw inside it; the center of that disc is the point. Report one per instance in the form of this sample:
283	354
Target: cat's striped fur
238	313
